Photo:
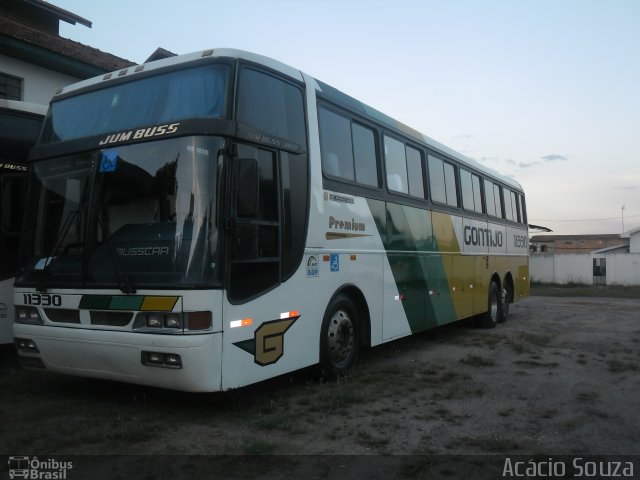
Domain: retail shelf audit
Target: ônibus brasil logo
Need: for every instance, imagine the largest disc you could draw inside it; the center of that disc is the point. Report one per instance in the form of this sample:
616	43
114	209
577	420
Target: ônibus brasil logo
36	469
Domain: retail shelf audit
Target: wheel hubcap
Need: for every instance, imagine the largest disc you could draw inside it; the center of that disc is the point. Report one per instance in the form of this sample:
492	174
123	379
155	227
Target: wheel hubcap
340	337
494	307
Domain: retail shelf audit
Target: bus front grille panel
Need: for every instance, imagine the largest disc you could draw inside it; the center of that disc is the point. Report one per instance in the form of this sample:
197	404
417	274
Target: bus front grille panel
111	319
62	315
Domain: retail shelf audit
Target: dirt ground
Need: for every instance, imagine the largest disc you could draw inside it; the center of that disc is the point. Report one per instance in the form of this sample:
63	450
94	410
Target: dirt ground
560	377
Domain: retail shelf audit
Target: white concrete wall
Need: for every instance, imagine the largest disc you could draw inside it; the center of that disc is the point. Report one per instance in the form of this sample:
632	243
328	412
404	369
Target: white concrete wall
541	268
634	243
622	268
40	84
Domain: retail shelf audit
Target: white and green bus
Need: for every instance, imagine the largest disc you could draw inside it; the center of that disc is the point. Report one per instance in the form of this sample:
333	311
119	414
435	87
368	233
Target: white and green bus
20	124
211	220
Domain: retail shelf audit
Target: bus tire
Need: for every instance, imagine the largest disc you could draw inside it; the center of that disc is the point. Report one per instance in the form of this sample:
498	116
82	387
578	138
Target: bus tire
339	344
505	300
489	319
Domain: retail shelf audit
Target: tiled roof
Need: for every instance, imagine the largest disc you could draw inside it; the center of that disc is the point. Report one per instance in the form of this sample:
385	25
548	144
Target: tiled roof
68	48
60	13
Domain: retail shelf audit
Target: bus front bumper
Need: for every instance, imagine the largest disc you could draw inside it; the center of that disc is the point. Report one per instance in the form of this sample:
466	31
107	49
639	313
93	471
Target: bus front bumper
144	359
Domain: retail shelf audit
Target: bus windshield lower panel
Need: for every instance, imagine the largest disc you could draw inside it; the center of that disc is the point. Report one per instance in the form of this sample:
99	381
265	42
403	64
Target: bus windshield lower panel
128	217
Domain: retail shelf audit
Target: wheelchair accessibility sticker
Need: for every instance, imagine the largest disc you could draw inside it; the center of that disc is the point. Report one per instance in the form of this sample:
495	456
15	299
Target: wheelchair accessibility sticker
334	262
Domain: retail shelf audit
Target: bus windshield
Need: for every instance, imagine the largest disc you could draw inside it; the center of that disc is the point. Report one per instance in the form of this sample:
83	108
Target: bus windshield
199	92
127	217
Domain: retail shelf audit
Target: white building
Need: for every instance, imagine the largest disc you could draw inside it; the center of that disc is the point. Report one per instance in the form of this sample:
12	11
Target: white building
612	265
634	240
35	62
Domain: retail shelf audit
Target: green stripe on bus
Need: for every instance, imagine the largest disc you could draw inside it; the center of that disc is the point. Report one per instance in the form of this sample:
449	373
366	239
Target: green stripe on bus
416	264
111	302
122	302
95	302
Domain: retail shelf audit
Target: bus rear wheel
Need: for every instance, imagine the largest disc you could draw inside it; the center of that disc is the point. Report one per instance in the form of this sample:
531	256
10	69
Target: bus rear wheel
339	345
489	319
505	300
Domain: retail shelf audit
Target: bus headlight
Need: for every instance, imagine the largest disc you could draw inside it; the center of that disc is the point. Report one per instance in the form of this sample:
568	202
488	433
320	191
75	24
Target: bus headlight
173	321
169	322
28	315
154	320
158	322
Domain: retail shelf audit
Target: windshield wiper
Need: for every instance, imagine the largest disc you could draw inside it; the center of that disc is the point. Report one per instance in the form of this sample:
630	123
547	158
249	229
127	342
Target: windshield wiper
122	277
44	270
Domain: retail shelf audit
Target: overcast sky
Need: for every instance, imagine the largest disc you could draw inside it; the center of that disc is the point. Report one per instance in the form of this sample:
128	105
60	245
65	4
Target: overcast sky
546	91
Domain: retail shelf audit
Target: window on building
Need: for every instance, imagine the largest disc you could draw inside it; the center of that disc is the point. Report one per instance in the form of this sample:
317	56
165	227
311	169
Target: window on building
10	87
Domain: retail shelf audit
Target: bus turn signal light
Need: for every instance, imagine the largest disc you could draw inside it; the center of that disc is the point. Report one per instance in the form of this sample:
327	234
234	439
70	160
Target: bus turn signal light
198	320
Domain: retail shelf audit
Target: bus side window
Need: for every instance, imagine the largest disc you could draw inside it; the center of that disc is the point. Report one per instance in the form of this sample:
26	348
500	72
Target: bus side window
498	196
272	106
442	182
489	195
335	145
396	162
508	207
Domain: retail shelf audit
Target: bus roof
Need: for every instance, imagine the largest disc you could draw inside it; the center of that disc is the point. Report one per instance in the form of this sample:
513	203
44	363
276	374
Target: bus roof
329	92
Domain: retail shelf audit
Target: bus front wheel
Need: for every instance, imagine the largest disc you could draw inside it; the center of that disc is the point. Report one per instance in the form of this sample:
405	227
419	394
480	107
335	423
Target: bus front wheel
339	345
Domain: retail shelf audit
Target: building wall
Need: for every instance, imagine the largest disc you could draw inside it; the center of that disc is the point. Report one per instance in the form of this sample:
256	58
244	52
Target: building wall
634	243
564	268
40	84
622	268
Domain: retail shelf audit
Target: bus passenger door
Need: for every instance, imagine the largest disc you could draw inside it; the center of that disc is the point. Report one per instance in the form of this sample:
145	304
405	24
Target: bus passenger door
254	242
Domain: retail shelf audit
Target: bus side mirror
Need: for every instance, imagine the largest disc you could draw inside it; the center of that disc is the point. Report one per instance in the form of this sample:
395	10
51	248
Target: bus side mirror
248	187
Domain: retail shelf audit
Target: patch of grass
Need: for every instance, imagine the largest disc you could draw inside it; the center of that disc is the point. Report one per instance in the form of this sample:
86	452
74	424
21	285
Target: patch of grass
492	443
518	347
478	361
337	398
458	392
589	397
535	339
367	439
534	363
578	290
548	413
618	366
282	421
258	447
